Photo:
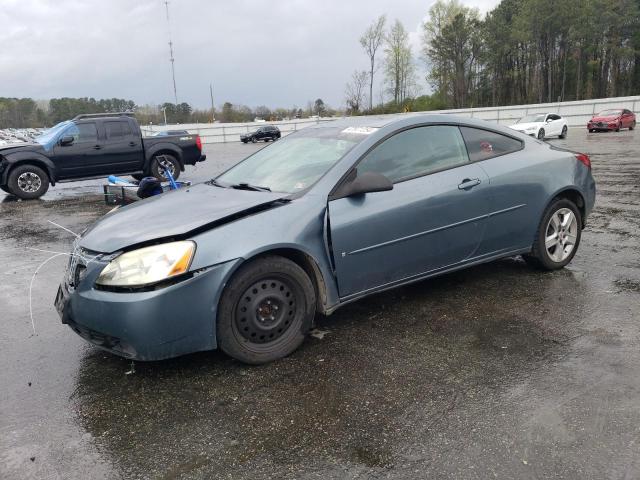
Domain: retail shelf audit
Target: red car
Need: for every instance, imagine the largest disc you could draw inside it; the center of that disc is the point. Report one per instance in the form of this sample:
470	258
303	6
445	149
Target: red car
613	119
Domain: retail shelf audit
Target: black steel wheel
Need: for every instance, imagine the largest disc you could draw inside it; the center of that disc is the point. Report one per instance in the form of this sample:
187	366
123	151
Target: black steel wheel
265	310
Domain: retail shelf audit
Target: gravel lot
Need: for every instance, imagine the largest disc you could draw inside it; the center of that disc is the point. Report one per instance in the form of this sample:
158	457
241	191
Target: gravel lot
493	372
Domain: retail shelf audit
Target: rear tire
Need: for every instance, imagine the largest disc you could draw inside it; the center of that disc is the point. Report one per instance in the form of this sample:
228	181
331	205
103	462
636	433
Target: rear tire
564	132
28	182
558	236
265	311
167	160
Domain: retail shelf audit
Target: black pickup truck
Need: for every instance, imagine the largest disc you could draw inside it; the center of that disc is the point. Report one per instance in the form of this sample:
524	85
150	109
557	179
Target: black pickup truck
93	146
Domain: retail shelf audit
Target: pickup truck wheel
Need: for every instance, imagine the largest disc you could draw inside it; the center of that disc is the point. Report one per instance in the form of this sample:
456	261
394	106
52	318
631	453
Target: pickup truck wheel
254	139
167	161
265	311
28	182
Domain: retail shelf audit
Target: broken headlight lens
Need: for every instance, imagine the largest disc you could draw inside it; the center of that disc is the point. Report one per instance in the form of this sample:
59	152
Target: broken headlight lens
148	265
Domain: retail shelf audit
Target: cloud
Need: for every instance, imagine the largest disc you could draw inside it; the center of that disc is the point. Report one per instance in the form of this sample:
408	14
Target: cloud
254	52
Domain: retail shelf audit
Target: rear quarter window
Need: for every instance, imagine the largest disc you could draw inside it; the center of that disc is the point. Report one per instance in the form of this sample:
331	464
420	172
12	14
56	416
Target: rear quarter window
484	144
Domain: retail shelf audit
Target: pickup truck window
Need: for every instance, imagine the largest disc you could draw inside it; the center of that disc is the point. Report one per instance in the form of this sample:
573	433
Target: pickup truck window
117	130
83	132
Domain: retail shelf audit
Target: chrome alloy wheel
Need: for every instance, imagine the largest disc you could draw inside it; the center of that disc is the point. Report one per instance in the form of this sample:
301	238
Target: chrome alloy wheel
561	234
166	164
29	182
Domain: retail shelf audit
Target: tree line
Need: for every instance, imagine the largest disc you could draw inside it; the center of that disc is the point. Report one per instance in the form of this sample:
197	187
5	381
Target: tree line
522	51
26	112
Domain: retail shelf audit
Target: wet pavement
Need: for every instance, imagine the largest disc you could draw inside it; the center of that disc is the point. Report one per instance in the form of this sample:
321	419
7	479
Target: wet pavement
497	371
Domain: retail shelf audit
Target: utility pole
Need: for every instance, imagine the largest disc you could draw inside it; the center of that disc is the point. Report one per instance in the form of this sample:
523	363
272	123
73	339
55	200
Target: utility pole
171	59
213	110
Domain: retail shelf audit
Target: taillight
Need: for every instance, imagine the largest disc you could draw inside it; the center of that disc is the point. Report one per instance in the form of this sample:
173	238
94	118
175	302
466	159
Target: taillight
584	159
198	142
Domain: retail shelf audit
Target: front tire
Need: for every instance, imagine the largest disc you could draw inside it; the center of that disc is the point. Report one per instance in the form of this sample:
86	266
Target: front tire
265	311
541	134
167	161
254	139
632	126
558	236
28	182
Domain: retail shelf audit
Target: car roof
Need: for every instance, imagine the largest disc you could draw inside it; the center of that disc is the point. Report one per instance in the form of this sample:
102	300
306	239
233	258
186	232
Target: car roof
406	120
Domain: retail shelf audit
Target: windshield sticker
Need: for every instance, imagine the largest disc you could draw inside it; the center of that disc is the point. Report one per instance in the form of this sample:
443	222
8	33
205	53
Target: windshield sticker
360	130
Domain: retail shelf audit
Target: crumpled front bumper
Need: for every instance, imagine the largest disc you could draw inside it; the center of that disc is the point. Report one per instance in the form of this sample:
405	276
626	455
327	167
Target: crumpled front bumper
146	325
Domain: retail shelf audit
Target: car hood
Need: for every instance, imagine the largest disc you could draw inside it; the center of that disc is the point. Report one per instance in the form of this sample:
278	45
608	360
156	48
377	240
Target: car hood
607	118
525	126
174	214
19	147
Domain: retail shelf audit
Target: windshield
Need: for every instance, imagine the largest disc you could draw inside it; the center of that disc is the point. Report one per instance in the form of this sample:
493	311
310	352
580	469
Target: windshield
533	118
48	138
296	162
610	113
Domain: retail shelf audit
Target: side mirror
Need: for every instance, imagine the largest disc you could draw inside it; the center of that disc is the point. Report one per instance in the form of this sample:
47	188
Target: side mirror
66	140
549	120
366	182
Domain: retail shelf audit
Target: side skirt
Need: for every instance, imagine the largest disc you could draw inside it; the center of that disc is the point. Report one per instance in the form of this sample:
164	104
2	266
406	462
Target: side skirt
429	274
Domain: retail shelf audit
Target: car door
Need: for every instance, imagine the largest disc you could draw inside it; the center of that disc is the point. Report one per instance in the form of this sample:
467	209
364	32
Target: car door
122	149
433	218
81	158
553	126
513	190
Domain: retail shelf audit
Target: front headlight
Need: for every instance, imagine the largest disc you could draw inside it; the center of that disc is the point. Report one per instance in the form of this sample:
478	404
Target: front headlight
148	265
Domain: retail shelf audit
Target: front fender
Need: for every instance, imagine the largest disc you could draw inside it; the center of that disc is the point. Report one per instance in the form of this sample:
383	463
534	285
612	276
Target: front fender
9	160
297	227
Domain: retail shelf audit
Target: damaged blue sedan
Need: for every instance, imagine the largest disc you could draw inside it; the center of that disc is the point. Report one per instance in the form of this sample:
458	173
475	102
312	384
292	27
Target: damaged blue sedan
326	216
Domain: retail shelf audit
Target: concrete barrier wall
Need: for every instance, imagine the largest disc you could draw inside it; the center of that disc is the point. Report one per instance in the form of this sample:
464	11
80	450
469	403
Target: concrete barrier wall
577	114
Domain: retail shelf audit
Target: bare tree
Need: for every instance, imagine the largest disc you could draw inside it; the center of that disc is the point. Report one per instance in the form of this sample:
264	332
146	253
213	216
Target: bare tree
355	95
371	41
400	70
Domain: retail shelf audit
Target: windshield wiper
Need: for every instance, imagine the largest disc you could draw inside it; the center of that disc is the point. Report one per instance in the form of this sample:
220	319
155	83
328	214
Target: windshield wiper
247	186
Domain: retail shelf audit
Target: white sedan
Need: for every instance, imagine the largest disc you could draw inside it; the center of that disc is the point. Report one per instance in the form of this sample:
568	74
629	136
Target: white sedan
541	125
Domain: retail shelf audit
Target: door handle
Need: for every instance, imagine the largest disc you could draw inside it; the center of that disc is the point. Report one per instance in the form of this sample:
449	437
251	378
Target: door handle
132	144
97	147
469	183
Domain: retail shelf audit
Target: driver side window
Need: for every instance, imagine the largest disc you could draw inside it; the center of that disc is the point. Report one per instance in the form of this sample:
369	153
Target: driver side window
83	133
416	152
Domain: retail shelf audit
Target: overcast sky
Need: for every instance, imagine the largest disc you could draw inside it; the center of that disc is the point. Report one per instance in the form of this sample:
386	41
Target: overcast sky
278	53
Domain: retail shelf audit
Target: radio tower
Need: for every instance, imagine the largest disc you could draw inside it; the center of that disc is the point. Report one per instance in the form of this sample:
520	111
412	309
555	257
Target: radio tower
171	59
